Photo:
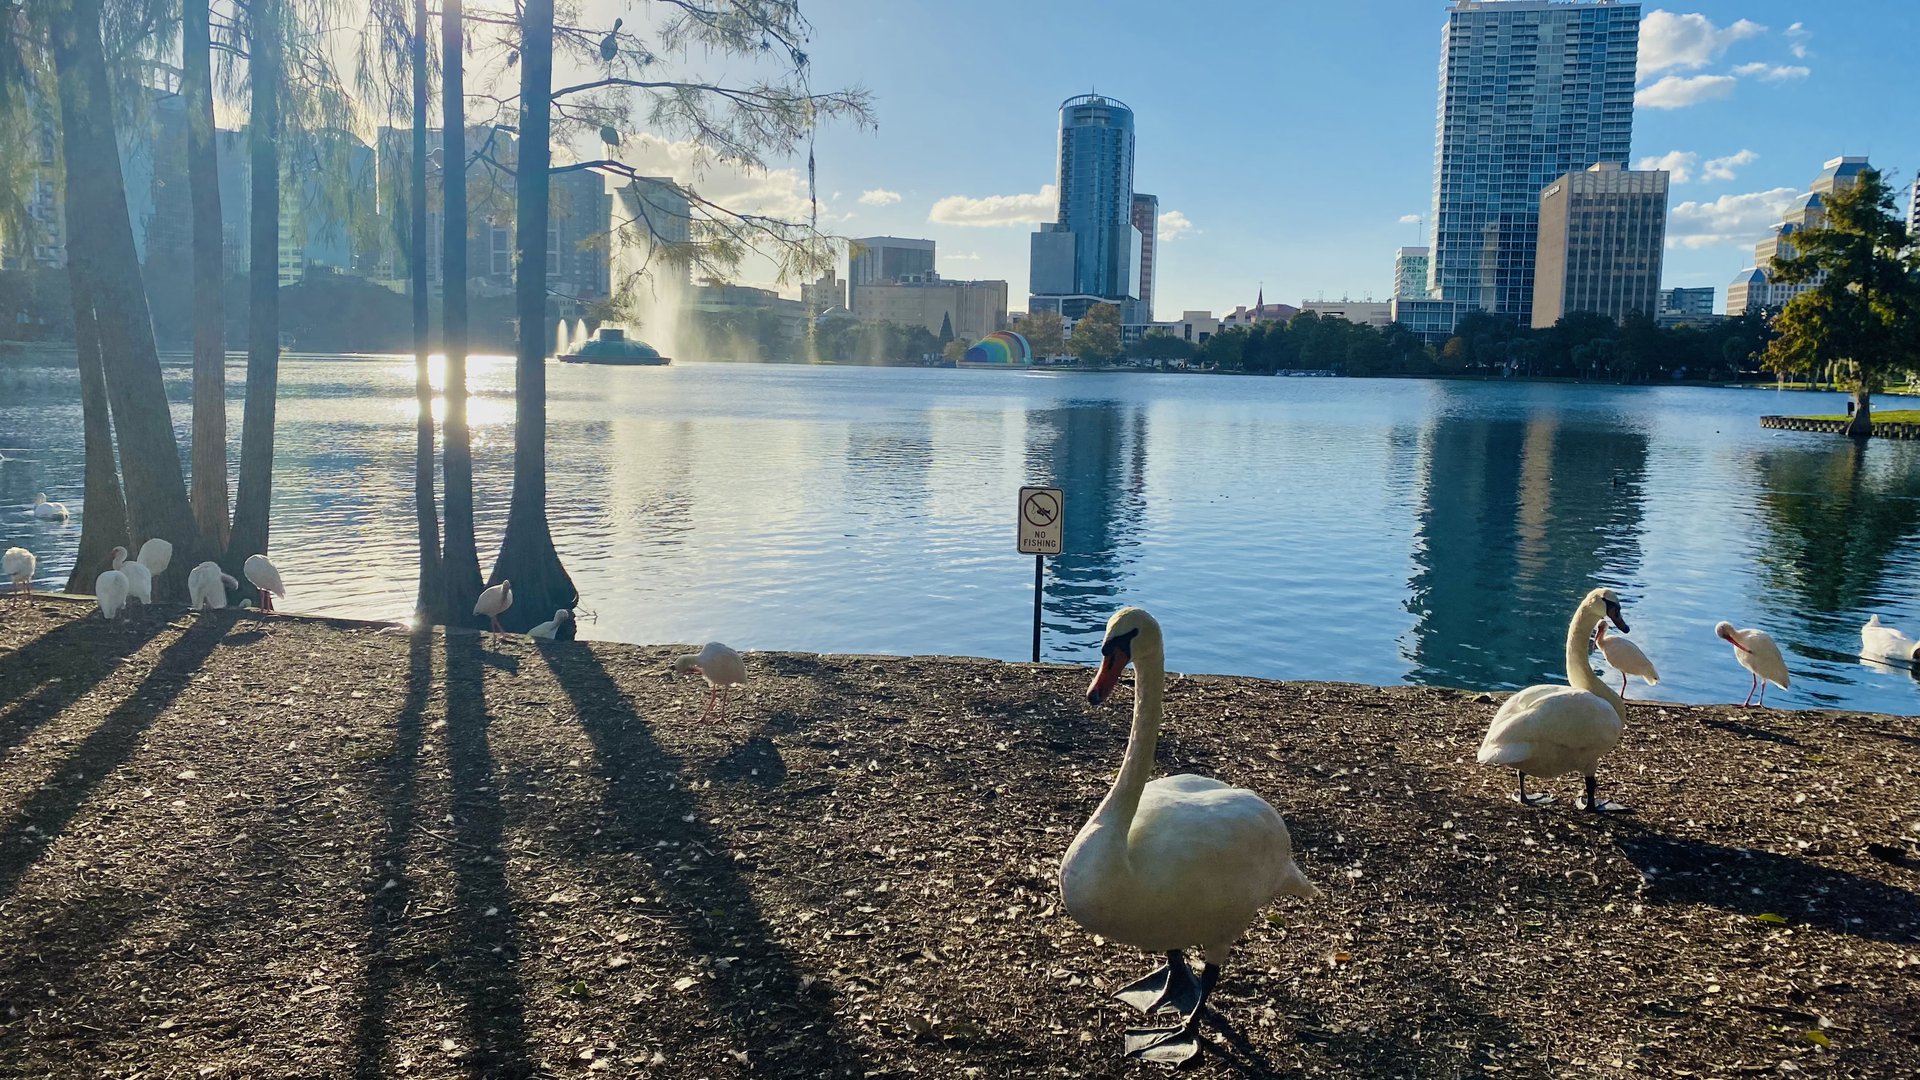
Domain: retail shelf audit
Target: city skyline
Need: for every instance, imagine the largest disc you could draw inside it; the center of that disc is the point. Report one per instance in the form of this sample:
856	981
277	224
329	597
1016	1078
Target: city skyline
1300	174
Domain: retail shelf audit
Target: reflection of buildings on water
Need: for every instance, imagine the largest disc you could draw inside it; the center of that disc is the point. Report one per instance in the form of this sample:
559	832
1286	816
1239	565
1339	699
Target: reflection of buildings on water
1517	519
1096	452
1836	517
889	466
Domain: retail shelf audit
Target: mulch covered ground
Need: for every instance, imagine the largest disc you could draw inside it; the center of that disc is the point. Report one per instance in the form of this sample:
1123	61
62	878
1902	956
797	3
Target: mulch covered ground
235	846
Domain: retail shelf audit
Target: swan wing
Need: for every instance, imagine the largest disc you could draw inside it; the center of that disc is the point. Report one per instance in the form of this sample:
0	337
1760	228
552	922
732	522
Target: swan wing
1205	858
1880	642
1547	724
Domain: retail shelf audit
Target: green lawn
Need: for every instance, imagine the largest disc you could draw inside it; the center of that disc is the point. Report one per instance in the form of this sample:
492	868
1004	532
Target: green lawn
1898	416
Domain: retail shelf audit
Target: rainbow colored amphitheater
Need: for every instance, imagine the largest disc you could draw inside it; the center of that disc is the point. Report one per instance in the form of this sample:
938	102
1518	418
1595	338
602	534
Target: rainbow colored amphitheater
1002	348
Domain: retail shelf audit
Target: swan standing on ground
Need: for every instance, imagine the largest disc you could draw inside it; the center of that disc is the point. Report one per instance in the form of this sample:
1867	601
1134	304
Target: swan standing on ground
496	599
1757	653
156	555
207	586
546	630
1877	641
720	666
1624	657
139	578
110	592
19	564
45	510
1551	730
1168	865
265	578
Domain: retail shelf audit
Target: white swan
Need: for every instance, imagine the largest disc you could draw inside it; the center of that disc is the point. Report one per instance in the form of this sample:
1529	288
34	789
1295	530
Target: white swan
1877	641
1552	730
496	599
207	586
156	555
110	592
1179	862
19	565
721	667
48	510
1758	654
1625	657
546	630
265	577
139	578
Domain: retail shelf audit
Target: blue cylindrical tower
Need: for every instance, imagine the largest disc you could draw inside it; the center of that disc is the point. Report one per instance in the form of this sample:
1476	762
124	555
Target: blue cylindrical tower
1096	192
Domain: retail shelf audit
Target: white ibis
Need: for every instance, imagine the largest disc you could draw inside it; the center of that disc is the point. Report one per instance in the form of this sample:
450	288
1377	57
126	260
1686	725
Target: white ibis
110	592
19	564
1553	730
1625	657
547	630
720	666
156	555
207	586
265	578
496	599
1758	654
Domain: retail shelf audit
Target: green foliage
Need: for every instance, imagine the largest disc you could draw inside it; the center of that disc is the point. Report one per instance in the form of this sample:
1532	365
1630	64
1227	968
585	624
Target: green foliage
845	341
1863	318
1096	335
1160	346
1044	331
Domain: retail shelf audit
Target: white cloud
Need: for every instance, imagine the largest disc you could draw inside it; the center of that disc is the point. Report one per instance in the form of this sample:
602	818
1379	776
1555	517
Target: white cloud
961	256
1678	162
1680	91
1686	42
1728	219
1411	219
1797	36
879	197
996	210
1173	226
1773	72
1722	168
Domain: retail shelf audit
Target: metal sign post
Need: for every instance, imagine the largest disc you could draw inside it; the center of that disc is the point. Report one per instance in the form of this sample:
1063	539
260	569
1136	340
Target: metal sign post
1040	517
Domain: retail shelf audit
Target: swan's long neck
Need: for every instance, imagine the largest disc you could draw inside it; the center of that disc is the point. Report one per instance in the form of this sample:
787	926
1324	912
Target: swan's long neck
1579	668
1124	798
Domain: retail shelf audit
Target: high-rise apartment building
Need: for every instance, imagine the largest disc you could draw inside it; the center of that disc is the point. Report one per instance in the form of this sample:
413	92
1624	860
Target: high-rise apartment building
880	260
1146	220
1754	289
1602	231
1094	232
1410	269
1529	90
1913	208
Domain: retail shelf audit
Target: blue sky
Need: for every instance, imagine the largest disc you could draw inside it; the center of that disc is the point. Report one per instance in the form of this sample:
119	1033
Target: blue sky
1293	137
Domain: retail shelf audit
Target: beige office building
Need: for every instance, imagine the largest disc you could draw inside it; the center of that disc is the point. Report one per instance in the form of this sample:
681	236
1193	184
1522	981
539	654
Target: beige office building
976	308
1602	233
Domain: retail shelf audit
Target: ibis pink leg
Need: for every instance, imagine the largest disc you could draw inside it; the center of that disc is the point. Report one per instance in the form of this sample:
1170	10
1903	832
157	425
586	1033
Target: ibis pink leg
1756	685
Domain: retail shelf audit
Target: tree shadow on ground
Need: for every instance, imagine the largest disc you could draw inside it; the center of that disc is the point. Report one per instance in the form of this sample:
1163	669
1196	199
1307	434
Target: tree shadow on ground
486	933
51	808
1752	883
53	955
387	907
25	677
763	1002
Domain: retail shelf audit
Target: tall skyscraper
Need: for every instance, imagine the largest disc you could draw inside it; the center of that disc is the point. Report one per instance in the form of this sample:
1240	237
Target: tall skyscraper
1146	219
1913	208
1529	90
1602	231
882	260
1095	226
1410	270
1755	289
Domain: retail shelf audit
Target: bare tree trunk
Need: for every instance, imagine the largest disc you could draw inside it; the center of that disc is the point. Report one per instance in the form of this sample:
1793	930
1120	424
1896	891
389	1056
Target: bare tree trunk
426	513
209	493
527	556
103	524
102	242
253	504
460	560
1860	424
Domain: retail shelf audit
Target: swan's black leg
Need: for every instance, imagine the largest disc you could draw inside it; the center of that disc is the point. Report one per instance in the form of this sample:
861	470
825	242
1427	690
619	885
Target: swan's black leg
1525	799
1171	987
1172	1046
1593	799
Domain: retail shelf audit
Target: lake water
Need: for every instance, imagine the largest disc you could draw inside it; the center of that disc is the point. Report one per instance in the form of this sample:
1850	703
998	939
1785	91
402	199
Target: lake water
1370	530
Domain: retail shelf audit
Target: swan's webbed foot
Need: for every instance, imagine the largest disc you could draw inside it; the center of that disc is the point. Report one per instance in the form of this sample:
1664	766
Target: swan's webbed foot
1592	800
1525	799
1171	987
1175	1046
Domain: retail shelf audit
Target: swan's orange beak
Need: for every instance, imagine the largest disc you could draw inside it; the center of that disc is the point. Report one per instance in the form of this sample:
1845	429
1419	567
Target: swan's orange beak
1113	661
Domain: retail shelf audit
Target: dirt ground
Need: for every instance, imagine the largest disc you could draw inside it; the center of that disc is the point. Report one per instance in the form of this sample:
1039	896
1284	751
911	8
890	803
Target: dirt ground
236	846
